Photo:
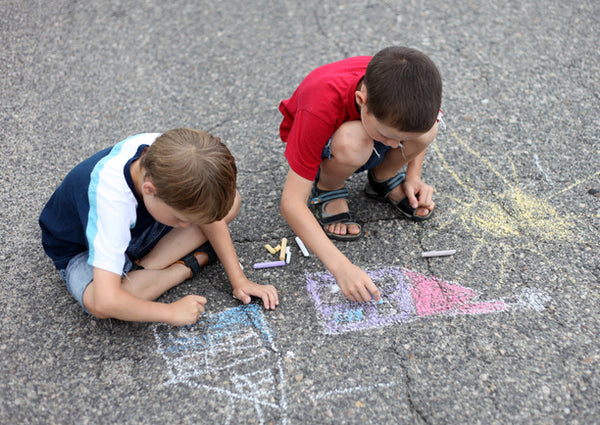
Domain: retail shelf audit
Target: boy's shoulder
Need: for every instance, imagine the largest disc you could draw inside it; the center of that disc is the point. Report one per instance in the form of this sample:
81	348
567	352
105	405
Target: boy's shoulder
334	79
113	157
351	65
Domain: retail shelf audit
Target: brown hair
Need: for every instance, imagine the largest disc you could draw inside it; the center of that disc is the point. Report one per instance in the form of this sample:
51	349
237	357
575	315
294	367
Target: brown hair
193	172
404	89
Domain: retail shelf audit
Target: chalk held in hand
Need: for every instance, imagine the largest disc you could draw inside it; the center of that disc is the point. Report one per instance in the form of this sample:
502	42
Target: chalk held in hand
373	298
438	253
301	246
269	264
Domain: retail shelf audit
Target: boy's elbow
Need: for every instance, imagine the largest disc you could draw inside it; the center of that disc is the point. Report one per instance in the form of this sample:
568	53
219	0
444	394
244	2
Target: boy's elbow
285	207
100	310
100	307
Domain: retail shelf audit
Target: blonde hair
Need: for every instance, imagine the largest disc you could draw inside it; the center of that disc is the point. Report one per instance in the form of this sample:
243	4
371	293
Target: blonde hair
193	172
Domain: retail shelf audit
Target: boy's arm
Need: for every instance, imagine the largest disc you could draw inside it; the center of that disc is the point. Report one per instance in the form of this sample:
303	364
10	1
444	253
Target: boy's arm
220	239
354	282
105	298
418	192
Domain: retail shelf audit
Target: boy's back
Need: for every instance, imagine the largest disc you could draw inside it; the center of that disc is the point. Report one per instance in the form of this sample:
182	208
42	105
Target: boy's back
96	205
321	103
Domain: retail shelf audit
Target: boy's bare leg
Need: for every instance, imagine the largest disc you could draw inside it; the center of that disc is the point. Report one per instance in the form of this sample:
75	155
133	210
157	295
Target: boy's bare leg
160	271
351	147
181	241
151	284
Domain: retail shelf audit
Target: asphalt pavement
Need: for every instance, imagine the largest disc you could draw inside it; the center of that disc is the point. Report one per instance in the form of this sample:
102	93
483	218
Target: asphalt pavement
505	331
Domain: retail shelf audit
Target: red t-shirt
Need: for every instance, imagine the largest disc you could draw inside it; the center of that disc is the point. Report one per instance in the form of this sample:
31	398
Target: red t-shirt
323	101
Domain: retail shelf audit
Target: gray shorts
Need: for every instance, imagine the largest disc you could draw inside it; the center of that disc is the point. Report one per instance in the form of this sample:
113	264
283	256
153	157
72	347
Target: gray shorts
79	274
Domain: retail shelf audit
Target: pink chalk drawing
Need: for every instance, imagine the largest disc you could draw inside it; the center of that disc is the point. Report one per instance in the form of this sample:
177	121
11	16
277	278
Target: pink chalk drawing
407	295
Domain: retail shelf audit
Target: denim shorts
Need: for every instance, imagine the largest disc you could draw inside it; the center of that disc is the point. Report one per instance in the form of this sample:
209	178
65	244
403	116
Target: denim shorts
79	274
379	151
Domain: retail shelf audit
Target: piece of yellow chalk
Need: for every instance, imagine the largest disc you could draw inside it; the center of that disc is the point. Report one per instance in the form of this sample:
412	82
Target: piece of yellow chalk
283	247
277	248
270	249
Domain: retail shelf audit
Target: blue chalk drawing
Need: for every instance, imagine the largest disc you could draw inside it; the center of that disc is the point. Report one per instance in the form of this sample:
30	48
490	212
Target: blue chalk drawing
231	353
352	315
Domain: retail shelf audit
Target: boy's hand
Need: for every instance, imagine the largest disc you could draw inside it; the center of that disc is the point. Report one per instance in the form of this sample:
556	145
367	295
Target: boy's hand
244	289
419	194
357	285
187	310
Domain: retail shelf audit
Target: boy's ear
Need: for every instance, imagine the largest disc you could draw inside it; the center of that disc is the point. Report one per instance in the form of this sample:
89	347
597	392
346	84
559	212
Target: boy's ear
360	96
148	188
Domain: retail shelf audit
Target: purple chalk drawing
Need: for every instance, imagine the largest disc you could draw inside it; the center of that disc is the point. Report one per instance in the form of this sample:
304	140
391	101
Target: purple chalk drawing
407	295
340	315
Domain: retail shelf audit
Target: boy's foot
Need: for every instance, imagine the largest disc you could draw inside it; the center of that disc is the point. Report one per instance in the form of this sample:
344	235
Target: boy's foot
340	206
331	210
199	258
391	190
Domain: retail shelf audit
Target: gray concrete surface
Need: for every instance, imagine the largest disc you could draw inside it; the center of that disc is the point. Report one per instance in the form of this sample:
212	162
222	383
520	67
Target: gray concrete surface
512	173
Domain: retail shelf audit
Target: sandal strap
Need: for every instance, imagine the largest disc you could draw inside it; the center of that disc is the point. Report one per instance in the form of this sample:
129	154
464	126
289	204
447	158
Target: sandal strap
321	196
386	186
344	217
191	262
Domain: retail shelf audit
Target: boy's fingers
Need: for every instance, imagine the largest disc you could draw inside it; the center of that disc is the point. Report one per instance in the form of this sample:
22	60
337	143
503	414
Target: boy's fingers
412	199
374	291
271	297
267	302
364	294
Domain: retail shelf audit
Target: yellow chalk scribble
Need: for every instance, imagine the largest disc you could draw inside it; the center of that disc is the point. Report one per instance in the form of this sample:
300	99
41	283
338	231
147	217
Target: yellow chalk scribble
513	218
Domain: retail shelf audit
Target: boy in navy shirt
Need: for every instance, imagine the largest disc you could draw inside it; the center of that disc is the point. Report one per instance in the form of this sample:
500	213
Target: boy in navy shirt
121	223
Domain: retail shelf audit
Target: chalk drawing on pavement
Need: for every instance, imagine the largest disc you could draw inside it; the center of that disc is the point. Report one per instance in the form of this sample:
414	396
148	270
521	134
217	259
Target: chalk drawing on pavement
514	221
406	295
231	353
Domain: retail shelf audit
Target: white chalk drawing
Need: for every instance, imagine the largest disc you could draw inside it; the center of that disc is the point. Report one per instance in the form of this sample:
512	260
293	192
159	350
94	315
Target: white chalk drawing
231	353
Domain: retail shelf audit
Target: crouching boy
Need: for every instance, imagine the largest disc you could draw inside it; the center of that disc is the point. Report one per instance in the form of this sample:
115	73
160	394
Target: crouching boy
376	114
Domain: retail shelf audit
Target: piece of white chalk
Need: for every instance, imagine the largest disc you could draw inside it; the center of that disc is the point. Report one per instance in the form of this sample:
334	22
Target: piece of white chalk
438	253
269	264
301	246
288	255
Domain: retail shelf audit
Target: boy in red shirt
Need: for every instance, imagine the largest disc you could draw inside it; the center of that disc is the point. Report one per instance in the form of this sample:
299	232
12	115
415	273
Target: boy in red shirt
376	114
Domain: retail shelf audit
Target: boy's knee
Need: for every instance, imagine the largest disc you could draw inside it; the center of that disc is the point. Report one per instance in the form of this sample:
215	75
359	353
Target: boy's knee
350	144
